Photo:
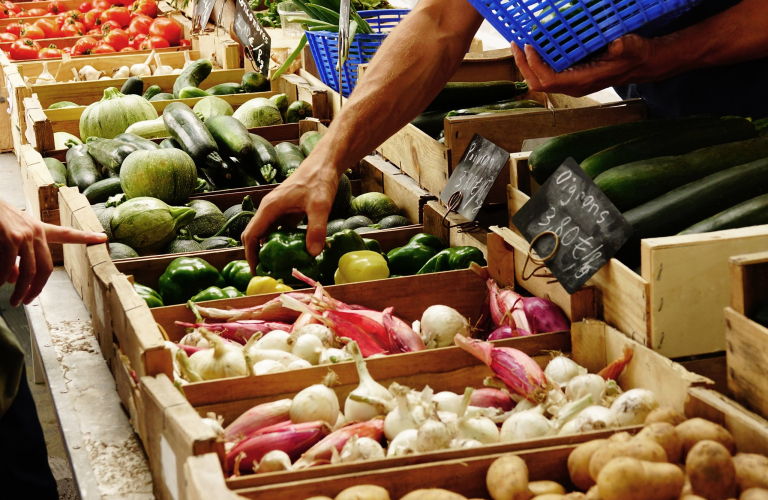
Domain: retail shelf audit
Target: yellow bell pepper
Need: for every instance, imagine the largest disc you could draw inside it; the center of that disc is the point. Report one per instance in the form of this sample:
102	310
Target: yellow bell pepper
361	265
264	284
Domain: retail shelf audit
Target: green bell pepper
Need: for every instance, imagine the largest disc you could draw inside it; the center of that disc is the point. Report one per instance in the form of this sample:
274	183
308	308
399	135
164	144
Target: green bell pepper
151	297
373	245
237	274
185	277
452	259
216	293
336	246
407	260
284	251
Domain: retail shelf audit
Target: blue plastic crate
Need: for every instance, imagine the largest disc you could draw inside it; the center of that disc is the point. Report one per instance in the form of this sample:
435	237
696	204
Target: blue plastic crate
325	48
566	31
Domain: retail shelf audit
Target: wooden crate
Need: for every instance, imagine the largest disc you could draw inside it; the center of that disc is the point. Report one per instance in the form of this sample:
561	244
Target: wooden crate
40	193
593	345
674	305
747	340
438	221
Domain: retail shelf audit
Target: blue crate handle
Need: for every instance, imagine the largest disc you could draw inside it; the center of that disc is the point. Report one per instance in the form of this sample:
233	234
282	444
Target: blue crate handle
325	50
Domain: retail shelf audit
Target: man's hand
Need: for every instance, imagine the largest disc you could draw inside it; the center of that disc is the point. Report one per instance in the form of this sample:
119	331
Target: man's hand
25	237
309	190
628	60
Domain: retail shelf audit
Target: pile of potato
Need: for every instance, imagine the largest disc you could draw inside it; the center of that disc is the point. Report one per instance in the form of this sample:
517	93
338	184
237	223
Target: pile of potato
671	458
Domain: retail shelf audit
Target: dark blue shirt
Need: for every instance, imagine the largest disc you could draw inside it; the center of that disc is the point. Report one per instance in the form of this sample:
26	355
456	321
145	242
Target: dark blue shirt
738	89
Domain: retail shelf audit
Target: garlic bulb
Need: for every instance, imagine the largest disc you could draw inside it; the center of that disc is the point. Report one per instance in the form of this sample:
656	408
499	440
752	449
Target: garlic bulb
433	435
45	76
322	332
333	355
222	361
123	72
161	68
359	449
177	71
369	398
274	461
89	73
214	422
143	69
403	444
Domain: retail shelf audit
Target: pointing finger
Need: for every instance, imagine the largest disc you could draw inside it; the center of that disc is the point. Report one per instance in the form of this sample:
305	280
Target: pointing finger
59	234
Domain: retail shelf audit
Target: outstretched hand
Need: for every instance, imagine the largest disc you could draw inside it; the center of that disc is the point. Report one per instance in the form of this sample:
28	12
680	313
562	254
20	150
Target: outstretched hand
629	59
22	236
309	190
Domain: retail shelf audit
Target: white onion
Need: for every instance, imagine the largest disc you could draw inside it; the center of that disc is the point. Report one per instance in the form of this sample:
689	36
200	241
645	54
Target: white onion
581	385
333	355
340	422
299	363
222	361
529	424
399	419
479	429
403	444
447	401
316	402
358	449
440	324
369	389
214	423
308	348
322	332
592	418
433	435
633	406
268	366
192	338
561	370
464	444
276	339
274	461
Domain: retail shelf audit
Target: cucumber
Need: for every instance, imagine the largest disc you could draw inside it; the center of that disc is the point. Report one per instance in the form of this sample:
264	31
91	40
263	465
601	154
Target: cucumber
231	136
308	141
136	141
110	153
289	158
681	208
631	185
149	129
581	145
457	95
192	92
297	111
431	122
162	96
254	81
133	85
99	192
226	89
152	91
187	129
672	143
497	108
58	171
192	76
169	144
81	168
63	104
752	212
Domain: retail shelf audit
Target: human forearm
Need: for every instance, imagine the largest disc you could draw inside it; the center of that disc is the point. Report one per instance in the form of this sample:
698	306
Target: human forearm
410	68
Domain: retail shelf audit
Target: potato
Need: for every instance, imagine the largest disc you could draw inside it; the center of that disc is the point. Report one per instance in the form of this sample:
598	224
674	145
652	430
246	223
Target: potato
710	468
697	429
642	449
364	492
507	479
576	495
754	494
578	463
627	478
665	435
433	494
665	414
550	496
543	487
620	437
319	498
692	497
751	470
594	493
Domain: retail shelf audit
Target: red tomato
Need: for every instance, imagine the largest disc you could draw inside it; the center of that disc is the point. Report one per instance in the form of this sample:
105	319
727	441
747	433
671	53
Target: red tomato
50	52
49	27
12	6
103	48
84	46
8	37
145	7
184	42
94	32
109	25
85	7
4	13
166	28
138	40
139	26
72	30
15	28
23	13
37	12
102	4
92	18
61	18
128	49
33	32
24	48
117	38
56	7
154	42
120	15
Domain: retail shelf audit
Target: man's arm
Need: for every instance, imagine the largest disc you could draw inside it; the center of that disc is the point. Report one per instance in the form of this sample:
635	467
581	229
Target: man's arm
733	36
408	71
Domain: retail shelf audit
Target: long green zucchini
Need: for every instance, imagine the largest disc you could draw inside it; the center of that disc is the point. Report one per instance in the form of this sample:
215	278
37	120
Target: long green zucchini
753	212
457	95
431	122
81	168
631	185
581	145
497	108
110	153
671	143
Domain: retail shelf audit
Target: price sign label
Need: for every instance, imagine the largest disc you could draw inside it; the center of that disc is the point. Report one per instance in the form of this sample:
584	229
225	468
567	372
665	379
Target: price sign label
201	15
252	36
589	228
474	176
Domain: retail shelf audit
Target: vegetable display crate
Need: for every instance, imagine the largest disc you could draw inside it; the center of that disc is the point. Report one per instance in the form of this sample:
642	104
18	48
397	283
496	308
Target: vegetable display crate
746	339
431	163
565	32
674	305
451	225
325	48
465	476
593	345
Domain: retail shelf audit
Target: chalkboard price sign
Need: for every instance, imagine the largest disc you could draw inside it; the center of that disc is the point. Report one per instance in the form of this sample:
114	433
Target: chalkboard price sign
251	34
589	228
201	14
474	175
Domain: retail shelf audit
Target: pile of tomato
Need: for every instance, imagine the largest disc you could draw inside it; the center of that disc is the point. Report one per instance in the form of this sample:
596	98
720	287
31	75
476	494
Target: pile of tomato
106	26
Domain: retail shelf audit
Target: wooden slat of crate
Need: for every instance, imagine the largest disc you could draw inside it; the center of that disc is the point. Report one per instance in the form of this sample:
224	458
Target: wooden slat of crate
435	213
746	354
299	89
128	390
749	276
381	176
174	432
40	193
76	213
